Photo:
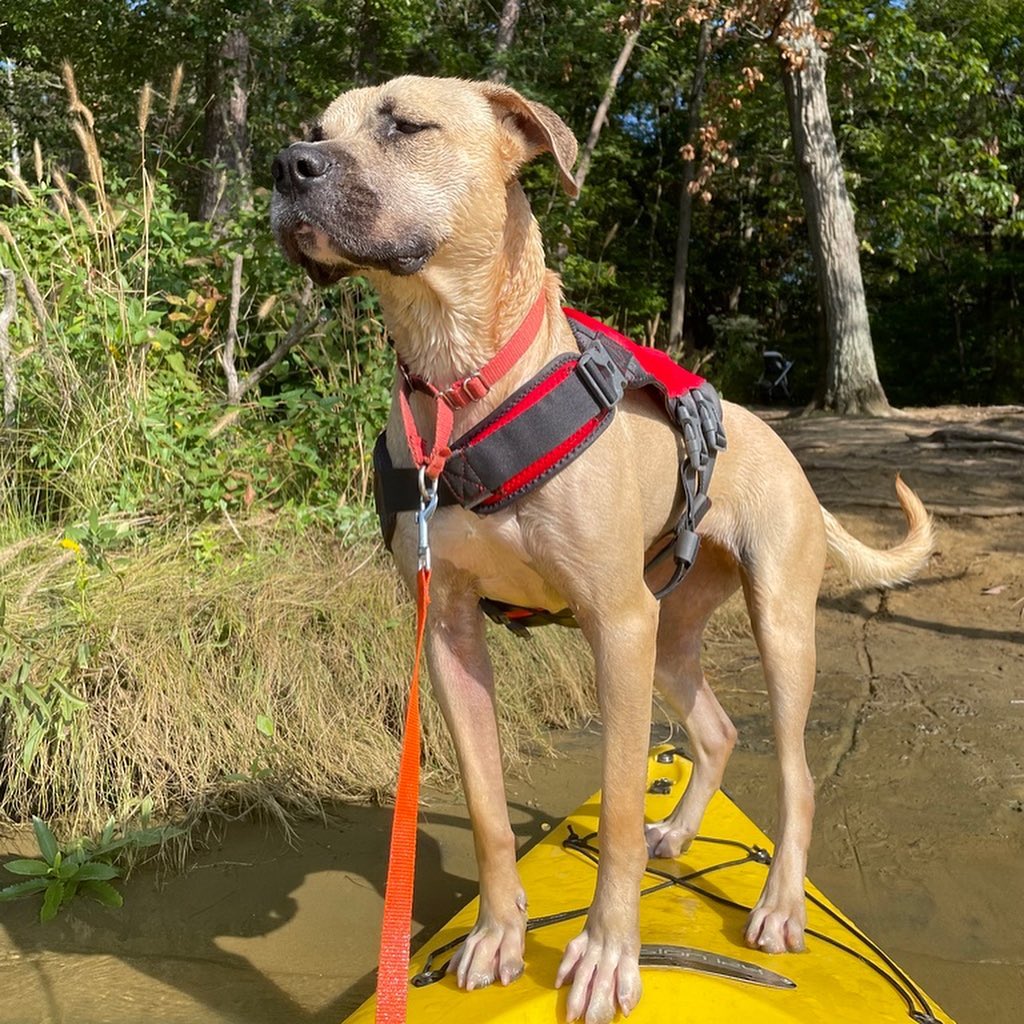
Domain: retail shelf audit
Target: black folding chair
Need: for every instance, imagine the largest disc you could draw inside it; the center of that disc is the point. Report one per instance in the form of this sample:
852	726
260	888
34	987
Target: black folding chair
774	379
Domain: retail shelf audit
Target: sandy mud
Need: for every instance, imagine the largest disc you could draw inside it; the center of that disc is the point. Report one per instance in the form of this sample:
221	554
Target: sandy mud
916	740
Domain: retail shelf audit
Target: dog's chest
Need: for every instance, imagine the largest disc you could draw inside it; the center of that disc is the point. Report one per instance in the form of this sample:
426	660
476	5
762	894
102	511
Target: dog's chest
493	551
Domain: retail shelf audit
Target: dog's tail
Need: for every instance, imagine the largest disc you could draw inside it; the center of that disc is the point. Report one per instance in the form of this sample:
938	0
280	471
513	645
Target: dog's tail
869	567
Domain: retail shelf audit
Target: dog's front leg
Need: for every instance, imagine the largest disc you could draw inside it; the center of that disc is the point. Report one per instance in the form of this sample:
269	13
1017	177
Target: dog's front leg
603	961
463	681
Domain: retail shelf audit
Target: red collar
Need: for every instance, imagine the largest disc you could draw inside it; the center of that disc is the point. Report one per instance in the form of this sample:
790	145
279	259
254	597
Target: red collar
461	393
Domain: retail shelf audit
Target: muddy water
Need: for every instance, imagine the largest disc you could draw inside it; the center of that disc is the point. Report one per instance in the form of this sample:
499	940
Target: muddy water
916	740
262	932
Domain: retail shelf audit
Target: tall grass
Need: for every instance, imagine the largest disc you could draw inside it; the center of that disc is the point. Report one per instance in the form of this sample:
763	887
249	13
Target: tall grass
220	673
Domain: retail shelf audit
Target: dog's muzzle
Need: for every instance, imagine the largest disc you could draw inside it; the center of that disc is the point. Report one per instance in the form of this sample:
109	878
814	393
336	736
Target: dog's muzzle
328	219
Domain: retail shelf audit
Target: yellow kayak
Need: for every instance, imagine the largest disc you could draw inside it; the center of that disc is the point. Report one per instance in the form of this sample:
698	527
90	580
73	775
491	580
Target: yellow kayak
695	965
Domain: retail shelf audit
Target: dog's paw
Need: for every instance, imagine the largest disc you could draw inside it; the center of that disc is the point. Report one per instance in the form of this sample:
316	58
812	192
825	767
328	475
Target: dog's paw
777	926
667	839
493	951
605	978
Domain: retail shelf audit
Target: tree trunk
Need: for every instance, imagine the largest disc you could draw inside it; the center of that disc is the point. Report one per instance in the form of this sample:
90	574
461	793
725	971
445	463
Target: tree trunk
851	382
506	35
696	99
227	176
7	362
601	114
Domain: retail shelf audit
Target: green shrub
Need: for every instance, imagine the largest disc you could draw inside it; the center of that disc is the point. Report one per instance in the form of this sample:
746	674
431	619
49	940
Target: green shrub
123	317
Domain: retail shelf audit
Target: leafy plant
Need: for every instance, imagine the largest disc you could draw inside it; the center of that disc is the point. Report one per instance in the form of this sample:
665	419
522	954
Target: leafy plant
60	877
85	868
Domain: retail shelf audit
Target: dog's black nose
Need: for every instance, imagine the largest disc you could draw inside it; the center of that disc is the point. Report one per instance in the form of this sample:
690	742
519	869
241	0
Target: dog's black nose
298	167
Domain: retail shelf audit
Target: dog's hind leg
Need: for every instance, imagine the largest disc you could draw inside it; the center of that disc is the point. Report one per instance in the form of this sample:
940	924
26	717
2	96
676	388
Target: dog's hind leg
782	613
679	677
463	681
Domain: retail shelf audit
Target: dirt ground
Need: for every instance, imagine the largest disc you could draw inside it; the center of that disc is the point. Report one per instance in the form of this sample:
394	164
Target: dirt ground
916	740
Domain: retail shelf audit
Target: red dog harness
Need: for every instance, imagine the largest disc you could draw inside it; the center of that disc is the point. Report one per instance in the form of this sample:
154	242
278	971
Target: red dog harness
550	421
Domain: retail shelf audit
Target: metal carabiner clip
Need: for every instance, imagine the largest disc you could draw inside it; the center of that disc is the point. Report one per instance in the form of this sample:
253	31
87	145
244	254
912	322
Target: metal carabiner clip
428	506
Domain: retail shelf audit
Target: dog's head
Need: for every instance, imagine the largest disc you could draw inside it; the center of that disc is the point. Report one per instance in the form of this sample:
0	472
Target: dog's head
390	175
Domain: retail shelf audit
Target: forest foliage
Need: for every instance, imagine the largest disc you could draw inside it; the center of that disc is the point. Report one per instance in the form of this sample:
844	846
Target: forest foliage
927	105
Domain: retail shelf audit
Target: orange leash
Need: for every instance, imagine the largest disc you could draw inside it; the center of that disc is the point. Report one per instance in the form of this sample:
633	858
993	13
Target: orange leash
396	928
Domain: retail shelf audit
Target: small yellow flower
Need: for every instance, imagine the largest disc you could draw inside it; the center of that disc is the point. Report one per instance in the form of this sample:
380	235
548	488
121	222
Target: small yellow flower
71	545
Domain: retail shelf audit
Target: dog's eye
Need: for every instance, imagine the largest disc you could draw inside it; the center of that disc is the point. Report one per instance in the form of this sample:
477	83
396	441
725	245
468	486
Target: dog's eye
404	127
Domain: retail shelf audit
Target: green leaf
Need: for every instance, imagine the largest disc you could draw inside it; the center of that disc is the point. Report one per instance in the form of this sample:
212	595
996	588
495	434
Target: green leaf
75	703
51	901
102	892
265	725
27	867
21	674
46	840
68	868
107	834
33	738
97	871
20	890
34	695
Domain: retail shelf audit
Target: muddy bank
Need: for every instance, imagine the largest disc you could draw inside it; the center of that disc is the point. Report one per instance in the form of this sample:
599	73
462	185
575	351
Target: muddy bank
916	741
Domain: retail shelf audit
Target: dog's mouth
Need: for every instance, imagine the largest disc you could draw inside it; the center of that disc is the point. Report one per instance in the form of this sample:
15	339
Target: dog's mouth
327	259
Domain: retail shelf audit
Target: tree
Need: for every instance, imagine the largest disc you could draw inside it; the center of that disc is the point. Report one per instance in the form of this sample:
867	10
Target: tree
227	175
851	383
506	34
601	113
694	106
926	103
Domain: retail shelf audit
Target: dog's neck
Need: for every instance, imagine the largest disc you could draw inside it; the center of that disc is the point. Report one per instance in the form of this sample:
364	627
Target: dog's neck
449	320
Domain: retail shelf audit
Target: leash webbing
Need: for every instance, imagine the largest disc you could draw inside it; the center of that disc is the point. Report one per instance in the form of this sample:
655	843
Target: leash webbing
396	929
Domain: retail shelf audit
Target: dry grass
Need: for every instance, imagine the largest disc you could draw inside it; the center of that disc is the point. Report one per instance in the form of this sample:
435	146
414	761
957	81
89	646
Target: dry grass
184	649
189	642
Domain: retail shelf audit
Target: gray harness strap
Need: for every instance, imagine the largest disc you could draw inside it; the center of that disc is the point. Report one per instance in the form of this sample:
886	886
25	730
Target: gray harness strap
699	417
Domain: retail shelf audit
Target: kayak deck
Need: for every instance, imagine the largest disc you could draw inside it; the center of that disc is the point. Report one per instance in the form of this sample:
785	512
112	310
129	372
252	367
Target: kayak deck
693	911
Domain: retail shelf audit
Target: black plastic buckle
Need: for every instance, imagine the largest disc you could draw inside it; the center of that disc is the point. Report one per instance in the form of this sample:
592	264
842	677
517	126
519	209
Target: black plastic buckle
601	376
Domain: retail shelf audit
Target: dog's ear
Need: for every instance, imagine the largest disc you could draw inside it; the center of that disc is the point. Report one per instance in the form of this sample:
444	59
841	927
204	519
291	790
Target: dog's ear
540	129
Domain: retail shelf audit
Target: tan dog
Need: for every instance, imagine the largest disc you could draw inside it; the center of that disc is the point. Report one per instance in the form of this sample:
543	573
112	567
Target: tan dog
413	184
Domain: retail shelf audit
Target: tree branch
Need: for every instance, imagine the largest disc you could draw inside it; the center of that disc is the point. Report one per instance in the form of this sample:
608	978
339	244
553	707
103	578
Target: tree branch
238	387
296	334
227	355
601	114
506	35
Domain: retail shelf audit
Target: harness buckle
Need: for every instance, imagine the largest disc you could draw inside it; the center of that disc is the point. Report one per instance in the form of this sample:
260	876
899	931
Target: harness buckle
462	392
601	376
